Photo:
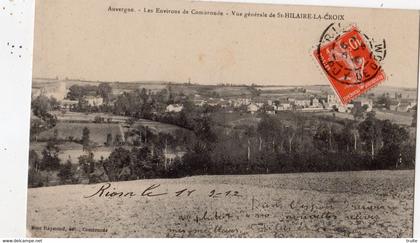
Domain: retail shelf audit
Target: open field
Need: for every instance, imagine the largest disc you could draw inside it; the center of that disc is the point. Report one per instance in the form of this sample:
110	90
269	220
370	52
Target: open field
235	118
98	131
341	115
87	117
72	151
157	127
402	118
338	204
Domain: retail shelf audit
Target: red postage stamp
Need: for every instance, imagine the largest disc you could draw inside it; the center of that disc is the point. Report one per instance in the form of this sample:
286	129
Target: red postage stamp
348	61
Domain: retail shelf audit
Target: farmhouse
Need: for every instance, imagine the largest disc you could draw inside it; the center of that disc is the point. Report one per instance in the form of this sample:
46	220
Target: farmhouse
94	100
68	104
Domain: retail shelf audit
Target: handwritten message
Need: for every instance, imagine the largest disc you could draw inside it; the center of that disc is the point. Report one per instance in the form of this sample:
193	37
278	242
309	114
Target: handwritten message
234	212
357	204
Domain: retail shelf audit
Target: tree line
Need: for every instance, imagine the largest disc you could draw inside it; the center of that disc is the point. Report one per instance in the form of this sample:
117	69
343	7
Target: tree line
273	145
281	143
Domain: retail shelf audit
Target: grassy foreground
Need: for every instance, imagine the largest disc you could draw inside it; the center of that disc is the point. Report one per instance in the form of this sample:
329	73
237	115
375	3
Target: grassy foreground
336	204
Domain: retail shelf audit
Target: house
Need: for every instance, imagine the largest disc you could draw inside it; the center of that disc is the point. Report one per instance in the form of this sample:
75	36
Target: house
94	100
171	155
283	107
240	102
174	108
252	108
332	102
68	104
302	102
315	102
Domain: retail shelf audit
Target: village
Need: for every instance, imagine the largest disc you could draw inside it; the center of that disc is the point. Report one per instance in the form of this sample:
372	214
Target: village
288	99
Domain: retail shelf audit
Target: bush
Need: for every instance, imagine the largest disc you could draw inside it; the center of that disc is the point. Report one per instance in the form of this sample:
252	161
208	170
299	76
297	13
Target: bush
66	173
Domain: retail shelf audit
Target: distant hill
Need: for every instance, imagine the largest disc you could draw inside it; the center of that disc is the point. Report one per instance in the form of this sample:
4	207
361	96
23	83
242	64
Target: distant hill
217	90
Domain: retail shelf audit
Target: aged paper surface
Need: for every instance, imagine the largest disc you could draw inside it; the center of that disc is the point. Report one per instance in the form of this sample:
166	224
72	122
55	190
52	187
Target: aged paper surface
196	119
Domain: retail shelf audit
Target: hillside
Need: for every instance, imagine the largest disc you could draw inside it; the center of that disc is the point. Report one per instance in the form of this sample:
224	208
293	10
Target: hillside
344	204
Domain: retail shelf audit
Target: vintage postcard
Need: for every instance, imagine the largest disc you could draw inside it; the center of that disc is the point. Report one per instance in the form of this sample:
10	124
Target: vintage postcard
172	118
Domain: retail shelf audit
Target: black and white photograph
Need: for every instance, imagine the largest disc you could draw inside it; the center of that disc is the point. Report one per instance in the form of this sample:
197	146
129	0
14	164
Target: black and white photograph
178	119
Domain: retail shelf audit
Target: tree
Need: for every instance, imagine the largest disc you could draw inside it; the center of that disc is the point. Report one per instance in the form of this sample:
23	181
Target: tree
359	111
105	91
86	162
85	138
41	106
323	137
108	139
414	121
34	162
268	130
75	92
290	133
163	96
117	160
393	133
347	138
249	134
66	172
50	160
370	132
385	101
204	131
37	126
394	137
118	140
198	159
82	105
98	119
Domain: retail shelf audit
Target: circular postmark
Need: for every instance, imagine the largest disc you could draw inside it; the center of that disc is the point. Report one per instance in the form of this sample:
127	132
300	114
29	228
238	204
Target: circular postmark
349	56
